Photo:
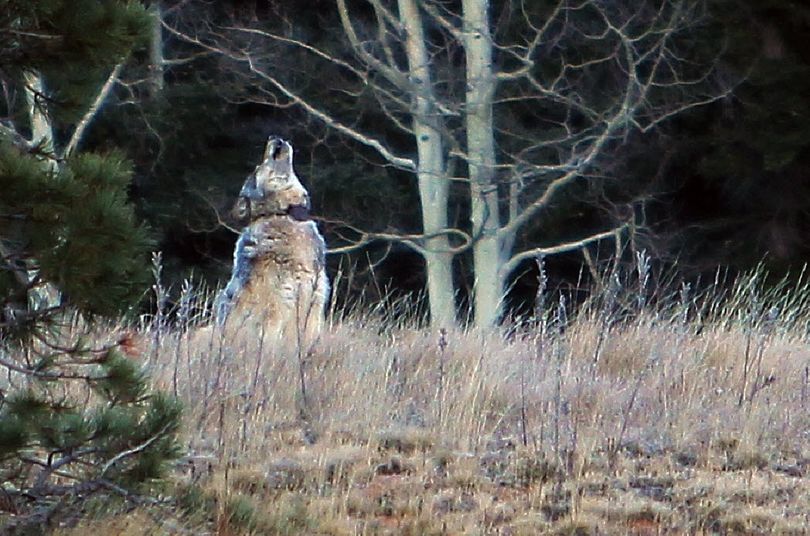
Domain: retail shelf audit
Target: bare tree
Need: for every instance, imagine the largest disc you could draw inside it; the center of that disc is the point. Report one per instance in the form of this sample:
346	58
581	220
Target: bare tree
517	100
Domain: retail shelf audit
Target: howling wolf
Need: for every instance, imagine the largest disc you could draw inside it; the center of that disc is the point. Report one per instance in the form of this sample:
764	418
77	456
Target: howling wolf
279	278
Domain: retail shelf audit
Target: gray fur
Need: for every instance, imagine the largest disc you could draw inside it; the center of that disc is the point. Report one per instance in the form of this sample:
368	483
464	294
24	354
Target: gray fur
243	256
278	251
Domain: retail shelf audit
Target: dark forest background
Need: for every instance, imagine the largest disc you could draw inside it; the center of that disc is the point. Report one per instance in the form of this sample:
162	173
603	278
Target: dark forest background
721	185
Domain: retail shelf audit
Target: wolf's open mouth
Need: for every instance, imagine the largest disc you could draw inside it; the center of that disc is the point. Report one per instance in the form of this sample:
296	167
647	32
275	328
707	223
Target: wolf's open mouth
299	212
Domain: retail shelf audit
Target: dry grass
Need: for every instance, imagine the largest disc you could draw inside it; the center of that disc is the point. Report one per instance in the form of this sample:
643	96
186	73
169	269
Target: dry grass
687	419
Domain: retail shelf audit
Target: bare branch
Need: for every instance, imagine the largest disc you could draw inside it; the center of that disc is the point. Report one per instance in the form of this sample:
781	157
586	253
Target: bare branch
389	71
443	21
188	59
513	263
531	47
405	163
576	166
133	451
630	110
246	58
91	112
413	241
309	48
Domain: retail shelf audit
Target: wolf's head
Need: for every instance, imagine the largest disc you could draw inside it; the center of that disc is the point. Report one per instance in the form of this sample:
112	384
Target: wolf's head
273	189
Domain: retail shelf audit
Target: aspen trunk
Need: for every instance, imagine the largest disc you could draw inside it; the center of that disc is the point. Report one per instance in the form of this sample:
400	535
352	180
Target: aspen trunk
156	59
487	251
431	175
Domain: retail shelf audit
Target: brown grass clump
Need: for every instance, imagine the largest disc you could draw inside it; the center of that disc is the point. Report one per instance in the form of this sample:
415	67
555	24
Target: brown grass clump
136	523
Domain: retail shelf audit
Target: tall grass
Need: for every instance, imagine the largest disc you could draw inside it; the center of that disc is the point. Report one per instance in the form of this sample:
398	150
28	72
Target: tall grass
633	383
689	369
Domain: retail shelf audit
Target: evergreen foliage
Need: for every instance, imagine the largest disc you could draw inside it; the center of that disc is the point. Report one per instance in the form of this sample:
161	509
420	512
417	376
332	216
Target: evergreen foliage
56	450
78	419
73	43
78	225
65	218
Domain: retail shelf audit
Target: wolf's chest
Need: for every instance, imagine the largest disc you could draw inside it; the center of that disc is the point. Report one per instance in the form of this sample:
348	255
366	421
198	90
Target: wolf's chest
285	246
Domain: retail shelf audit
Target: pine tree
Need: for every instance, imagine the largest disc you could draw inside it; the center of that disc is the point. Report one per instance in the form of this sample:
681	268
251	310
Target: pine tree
65	218
77	416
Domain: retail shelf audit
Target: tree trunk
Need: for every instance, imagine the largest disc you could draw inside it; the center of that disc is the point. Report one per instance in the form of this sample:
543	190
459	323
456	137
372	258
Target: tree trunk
44	295
38	120
439	267
430	170
487	254
156	51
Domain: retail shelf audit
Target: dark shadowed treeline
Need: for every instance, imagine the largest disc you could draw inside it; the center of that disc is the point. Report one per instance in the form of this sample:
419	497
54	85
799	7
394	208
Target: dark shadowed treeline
721	184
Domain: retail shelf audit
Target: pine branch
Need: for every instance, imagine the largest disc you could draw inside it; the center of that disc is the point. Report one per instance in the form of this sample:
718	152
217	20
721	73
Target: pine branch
50	468
11	365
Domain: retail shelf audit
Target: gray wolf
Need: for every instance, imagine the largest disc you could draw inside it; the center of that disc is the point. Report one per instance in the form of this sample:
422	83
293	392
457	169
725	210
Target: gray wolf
278	281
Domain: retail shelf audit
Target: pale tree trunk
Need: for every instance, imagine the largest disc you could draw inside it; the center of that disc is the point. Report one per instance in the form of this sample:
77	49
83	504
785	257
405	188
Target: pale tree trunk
438	262
156	59
430	171
487	252
44	295
39	122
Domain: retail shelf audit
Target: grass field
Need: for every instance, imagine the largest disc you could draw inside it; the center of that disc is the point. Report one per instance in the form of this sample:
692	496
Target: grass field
685	417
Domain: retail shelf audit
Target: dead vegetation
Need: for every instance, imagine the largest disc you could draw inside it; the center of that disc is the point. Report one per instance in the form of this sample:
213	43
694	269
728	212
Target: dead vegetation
684	418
